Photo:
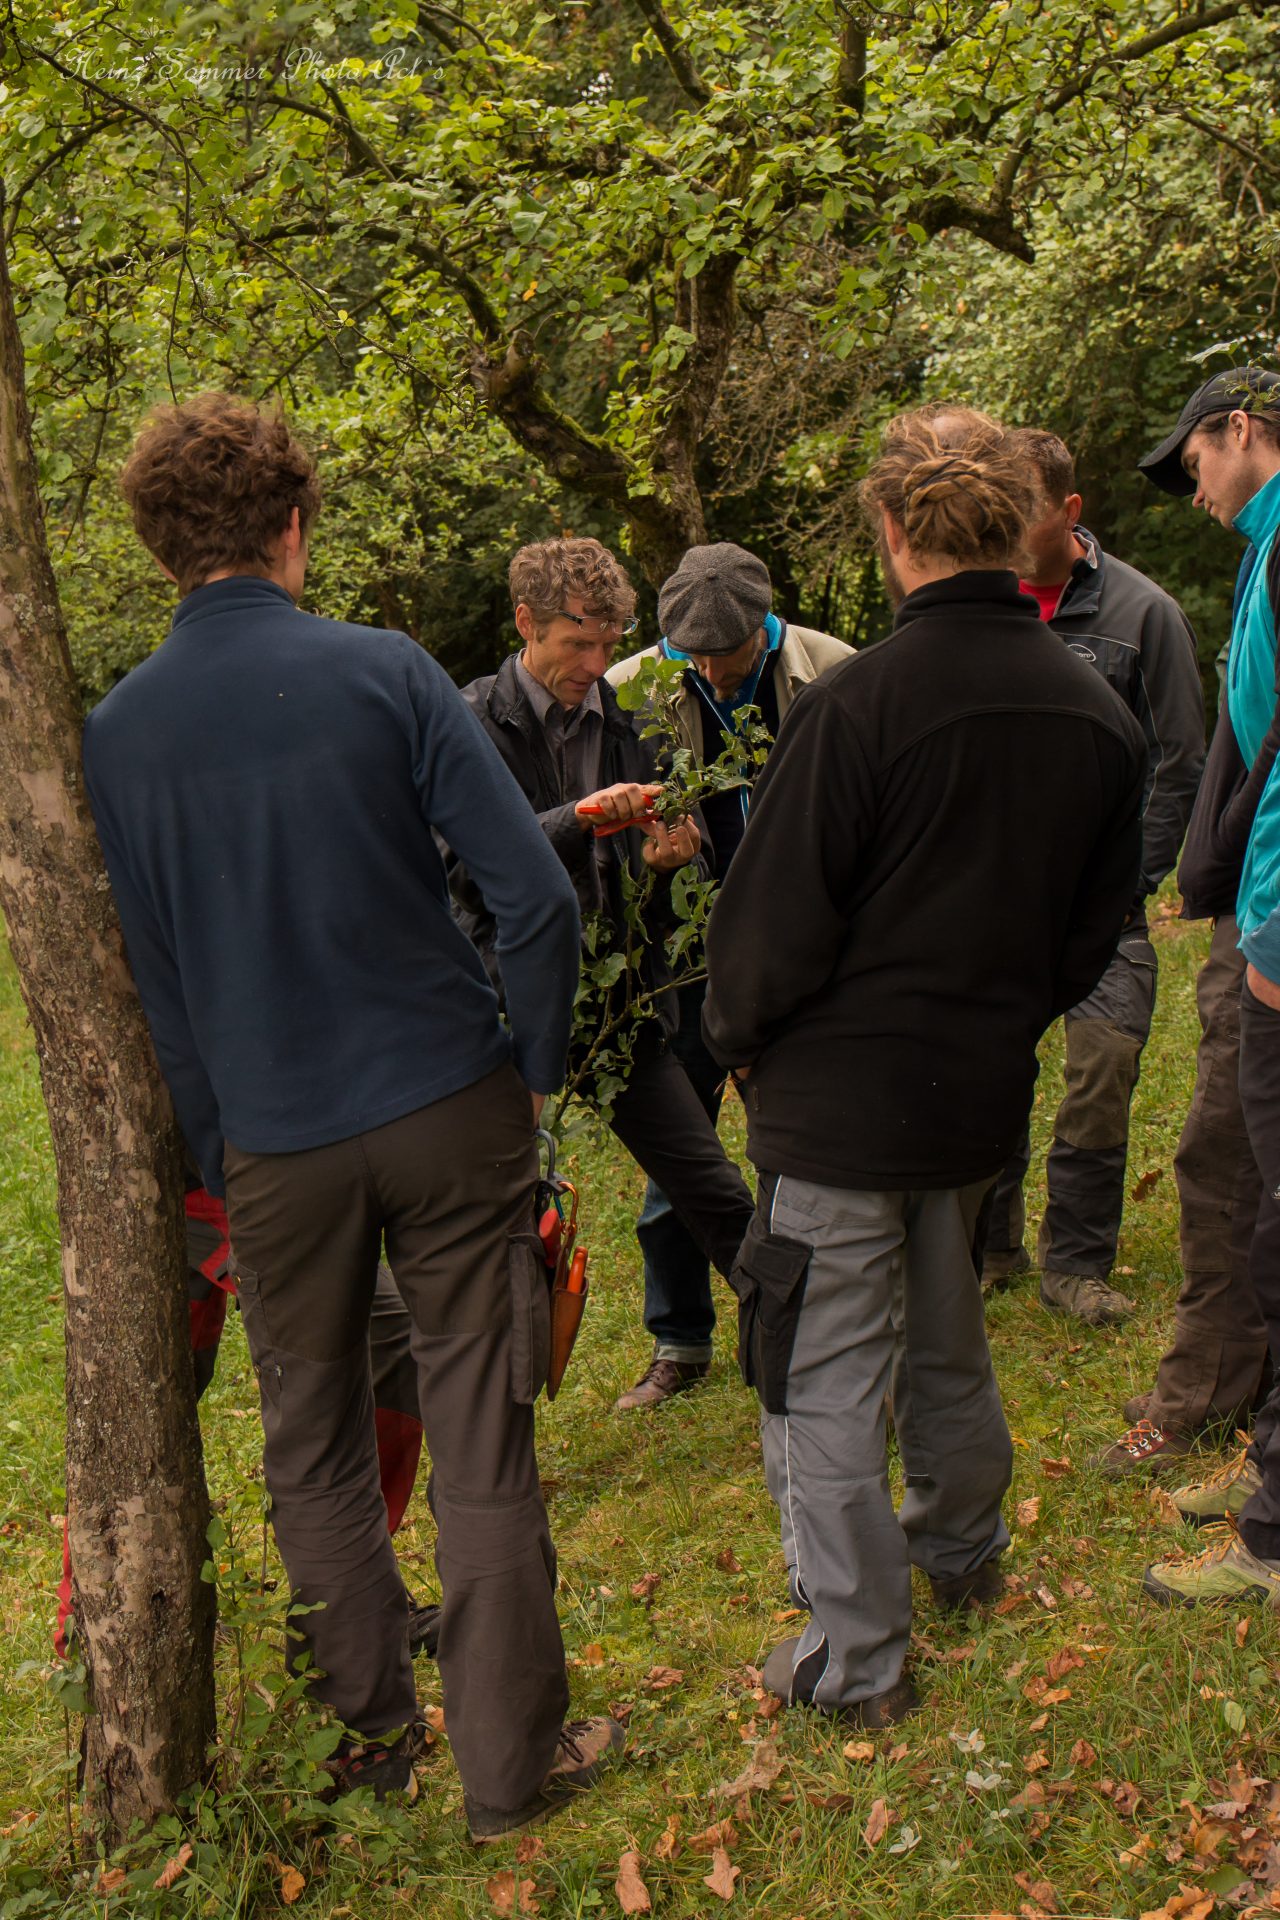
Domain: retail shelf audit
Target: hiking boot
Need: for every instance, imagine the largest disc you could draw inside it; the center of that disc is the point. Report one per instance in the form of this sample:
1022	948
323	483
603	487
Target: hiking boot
662	1380
424	1630
1225	1571
385	1767
1144	1446
1138	1408
1000	1265
1222	1495
584	1750
877	1710
1085	1297
969	1589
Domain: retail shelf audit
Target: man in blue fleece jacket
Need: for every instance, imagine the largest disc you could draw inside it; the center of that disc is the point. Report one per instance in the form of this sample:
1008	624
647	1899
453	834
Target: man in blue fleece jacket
266	786
1225	454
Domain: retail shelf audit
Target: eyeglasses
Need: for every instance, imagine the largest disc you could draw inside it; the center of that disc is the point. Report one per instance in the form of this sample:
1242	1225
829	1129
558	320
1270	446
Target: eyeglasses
592	629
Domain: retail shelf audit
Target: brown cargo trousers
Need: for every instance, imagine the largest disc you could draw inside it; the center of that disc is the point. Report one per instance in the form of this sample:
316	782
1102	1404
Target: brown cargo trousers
1212	1369
450	1187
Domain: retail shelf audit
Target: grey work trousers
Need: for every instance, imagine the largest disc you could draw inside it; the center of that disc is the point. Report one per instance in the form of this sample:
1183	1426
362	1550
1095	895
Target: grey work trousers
891	1302
451	1188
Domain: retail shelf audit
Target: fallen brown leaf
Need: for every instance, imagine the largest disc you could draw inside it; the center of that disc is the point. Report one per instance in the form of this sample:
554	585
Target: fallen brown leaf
1047	1598
1056	1696
832	1802
1039	1724
633	1895
1242	1630
529	1847
509	1895
293	1885
723	1875
1083	1755
1140	1190
16	1826
435	1719
1209	1836
110	1880
728	1561
669	1845
592	1655
174	1869
877	1823
1190	1904
722	1834
1008	1603
645	1587
858	1750
1027	1512
659	1678
763	1769
1055	1469
788	1613
1042	1892
1064	1661
1036	1762
1132	1856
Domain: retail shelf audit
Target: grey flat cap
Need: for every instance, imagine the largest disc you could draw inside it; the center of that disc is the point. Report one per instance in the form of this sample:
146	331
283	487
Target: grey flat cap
715	600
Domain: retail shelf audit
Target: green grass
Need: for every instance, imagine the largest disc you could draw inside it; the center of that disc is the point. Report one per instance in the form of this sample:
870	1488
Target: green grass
1168	1701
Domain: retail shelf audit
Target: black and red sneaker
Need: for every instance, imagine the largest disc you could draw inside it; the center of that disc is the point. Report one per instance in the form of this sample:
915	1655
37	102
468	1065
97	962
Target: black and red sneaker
385	1766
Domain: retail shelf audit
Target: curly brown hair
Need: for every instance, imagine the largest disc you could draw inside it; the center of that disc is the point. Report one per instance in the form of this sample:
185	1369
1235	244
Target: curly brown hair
542	574
211	484
965	496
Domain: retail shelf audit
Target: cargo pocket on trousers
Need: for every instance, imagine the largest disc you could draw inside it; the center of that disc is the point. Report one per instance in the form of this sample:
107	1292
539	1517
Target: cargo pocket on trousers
530	1317
253	1316
769	1278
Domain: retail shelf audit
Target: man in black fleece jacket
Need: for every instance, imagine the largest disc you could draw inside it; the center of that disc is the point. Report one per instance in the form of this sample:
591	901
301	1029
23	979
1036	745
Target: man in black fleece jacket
266	786
946	840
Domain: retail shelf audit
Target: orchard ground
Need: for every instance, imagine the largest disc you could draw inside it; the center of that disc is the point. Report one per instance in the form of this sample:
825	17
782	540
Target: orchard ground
1081	1751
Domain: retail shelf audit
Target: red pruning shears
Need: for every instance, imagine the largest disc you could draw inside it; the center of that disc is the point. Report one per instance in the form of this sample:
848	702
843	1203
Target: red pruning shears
618	826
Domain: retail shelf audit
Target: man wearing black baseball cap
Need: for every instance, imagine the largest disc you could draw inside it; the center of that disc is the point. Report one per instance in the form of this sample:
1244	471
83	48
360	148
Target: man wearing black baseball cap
1224	454
717	618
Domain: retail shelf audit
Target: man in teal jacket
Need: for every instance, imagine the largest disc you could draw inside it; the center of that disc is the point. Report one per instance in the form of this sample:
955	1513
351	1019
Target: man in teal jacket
1225	452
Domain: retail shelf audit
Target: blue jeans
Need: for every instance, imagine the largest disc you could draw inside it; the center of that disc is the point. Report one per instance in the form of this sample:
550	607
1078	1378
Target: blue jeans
678	1308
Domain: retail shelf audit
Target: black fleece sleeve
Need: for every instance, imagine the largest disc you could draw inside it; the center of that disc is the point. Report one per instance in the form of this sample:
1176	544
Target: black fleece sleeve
781	916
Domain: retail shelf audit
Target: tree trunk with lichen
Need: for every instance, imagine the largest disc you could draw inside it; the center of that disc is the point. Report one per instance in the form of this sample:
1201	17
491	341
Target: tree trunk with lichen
137	1505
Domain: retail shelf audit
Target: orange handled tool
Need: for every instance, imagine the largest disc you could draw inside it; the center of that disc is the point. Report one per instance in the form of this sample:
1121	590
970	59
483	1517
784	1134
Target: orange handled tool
618	826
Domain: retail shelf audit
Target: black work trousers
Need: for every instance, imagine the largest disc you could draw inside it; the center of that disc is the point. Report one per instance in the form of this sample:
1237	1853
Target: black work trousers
451	1189
1260	1098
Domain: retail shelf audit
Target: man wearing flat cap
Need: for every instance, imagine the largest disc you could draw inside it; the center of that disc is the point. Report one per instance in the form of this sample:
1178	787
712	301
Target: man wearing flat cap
717	618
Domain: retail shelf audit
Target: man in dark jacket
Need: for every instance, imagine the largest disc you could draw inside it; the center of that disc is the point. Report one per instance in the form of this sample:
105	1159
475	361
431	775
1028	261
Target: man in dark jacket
948	837
1139	641
266	786
580	762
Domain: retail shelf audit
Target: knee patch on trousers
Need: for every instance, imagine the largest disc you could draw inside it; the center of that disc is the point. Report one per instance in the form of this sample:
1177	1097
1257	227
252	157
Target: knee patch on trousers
1101	1073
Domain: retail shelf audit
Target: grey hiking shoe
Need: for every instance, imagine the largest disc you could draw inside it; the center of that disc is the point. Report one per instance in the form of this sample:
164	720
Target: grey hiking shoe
877	1710
584	1750
1083	1296
1222	1495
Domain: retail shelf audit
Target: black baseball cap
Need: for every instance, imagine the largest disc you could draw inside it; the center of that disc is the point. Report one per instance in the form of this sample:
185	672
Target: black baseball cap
1251	389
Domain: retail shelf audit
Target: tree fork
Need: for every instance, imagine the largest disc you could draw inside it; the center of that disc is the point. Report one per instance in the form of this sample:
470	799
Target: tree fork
138	1507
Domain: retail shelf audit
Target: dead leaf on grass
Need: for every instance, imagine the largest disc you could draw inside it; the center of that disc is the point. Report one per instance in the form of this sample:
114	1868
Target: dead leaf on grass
509	1895
1242	1630
722	1834
1036	1762
1064	1661
728	1561
1055	1469
1055	1696
1008	1603
877	1823
646	1586
1132	1856
763	1769
659	1678
435	1719
110	1880
1190	1904
529	1847
1083	1755
592	1655
723	1875
858	1750
173	1870
1042	1892
832	1802
669	1845
1144	1185
1164	1506
1039	1724
633	1895
1028	1511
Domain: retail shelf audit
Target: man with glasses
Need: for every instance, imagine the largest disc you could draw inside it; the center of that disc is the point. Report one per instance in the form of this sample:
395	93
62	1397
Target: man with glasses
582	764
717	618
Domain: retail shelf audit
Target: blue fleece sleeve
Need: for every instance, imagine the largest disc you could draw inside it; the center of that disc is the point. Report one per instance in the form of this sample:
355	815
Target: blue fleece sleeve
155	975
471	800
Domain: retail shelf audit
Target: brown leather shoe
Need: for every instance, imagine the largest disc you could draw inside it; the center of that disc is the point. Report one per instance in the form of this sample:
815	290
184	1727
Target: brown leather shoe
583	1752
974	1589
1138	1408
875	1710
662	1380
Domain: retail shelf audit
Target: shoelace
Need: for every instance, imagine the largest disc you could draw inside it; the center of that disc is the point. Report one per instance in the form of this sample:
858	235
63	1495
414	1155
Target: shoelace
1225	1475
1143	1438
570	1741
1221	1536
